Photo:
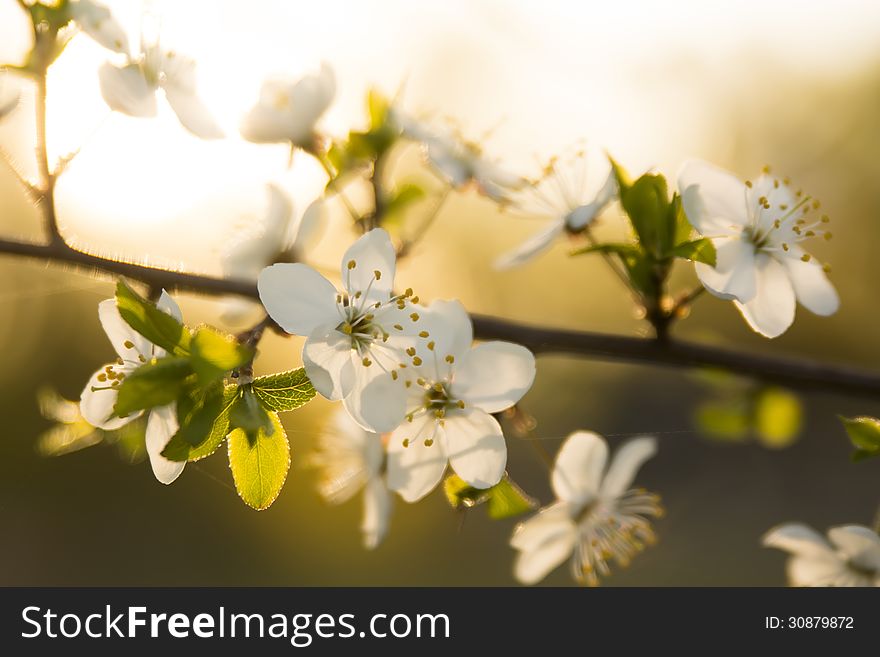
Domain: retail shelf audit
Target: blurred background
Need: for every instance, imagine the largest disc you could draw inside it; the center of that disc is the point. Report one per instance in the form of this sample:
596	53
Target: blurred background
747	83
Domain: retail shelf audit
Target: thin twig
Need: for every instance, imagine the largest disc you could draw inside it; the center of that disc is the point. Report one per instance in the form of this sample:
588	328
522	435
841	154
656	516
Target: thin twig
796	373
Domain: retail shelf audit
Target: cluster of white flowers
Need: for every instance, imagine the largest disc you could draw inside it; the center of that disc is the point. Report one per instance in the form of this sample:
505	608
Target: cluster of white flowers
401	368
417	395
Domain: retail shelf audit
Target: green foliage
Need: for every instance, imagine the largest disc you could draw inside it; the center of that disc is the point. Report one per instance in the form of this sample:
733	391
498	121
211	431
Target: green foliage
259	463
403	197
503	500
699	250
155	383
778	417
864	434
215	353
772	415
158	327
248	414
283	391
363	148
662	233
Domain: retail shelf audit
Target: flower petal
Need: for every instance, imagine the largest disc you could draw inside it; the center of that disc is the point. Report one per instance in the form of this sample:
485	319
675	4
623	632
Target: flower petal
533	565
127	343
371	253
713	199
577	472
733	276
96	406
415	470
377	512
860	544
97	21
161	426
532	247
476	447
626	462
126	90
297	297
822	570
811	286
169	306
192	113
494	376
377	402
307	231
328	358
797	539
771	311
548	522
449	326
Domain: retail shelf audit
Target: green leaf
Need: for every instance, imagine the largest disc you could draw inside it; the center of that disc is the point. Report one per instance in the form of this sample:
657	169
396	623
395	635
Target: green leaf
647	205
683	228
259	467
283	391
214	353
503	500
624	181
197	421
155	383
377	106
507	500
724	420
778	417
616	248
864	434
158	327
248	413
180	449
402	198
700	250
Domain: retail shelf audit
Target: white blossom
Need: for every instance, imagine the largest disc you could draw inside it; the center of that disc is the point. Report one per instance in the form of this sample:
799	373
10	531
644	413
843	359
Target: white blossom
131	89
99	395
356	336
849	557
596	518
561	193
96	20
288	110
451	390
757	229
460	162
352	459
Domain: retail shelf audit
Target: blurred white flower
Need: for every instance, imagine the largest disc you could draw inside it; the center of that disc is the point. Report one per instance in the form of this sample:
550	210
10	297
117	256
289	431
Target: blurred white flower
9	96
100	393
562	192
460	162
287	110
451	391
96	20
280	235
352	459
131	89
356	336
757	229
850	556
596	517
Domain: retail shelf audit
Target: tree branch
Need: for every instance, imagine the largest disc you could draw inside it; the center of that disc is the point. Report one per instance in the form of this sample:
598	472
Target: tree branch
796	373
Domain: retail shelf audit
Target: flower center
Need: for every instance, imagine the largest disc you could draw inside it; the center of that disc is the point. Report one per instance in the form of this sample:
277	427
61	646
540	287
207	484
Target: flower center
776	226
